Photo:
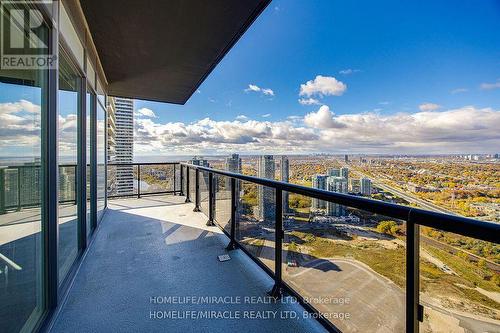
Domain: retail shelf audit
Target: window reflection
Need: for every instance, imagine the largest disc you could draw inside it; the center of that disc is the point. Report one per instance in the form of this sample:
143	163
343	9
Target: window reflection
69	96
22	107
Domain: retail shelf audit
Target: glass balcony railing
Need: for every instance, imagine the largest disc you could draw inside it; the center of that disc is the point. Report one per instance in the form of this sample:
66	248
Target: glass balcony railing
353	263
136	179
357	264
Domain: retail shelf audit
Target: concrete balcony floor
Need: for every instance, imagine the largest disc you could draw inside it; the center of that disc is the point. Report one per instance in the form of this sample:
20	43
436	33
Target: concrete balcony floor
157	246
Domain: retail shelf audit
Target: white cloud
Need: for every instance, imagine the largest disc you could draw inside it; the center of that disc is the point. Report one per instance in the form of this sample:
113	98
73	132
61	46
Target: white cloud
466	129
490	86
459	90
241	117
451	131
267	115
309	101
256	88
428	107
252	87
20	127
349	71
145	112
322	86
323	118
268	92
19	106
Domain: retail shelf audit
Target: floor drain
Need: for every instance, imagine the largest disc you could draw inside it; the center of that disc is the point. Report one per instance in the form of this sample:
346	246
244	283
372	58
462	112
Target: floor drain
224	257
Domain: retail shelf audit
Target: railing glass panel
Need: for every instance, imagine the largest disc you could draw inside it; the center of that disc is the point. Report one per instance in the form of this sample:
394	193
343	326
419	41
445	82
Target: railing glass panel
192	185
156	178
255	223
122	180
347	263
223	202
459	283
204	192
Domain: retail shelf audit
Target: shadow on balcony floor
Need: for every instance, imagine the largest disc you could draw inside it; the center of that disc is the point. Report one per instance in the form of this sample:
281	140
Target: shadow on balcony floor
156	246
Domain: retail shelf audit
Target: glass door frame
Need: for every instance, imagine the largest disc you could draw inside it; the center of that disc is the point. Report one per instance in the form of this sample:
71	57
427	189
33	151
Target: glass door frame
93	157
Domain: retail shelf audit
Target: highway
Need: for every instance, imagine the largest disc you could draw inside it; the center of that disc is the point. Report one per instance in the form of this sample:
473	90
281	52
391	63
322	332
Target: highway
408	197
432	207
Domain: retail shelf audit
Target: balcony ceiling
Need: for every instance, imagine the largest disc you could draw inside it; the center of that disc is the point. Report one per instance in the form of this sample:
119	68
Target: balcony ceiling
163	50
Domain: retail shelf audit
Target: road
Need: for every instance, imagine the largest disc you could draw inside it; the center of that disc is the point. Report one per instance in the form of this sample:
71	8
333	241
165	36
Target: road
363	301
432	207
431	241
374	303
408	197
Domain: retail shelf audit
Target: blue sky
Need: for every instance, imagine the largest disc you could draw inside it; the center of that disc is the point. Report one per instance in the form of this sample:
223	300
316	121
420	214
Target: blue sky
426	72
373	77
406	53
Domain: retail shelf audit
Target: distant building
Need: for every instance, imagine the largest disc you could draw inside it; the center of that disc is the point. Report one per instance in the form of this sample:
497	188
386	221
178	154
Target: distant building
344	172
333	172
111	113
267	207
233	164
285	177
21	186
319	182
346	158
199	161
67	184
354	185
339	185
124	153
366	186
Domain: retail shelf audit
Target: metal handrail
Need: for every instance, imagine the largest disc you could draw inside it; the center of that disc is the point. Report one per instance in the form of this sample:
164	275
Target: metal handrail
414	218
139	194
144	163
464	226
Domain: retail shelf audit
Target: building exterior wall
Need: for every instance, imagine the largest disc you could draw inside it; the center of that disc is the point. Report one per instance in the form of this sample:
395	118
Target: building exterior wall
285	177
124	152
366	186
319	182
267	205
339	185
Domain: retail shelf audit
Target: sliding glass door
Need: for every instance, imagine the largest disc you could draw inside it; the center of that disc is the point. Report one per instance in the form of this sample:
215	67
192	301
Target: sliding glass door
89	114
100	156
68	148
23	112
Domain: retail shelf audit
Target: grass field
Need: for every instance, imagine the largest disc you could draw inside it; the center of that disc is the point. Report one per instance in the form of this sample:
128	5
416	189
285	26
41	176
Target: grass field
457	291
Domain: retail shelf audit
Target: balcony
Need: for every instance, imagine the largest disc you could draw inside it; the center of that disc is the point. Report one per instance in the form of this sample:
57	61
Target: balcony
163	240
154	247
90	245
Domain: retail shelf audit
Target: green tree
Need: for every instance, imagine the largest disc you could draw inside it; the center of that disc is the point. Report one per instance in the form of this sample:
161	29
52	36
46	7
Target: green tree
388	227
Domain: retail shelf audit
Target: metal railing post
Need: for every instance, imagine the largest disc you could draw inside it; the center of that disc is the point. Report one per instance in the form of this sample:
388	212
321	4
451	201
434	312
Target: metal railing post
2	190
19	189
211	199
174	179
414	312
277	290
232	243
181	193
197	191
187	185
75	192
138	180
